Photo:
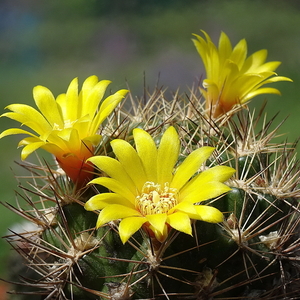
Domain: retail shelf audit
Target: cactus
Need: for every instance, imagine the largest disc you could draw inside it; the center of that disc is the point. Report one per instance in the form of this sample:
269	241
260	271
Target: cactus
215	211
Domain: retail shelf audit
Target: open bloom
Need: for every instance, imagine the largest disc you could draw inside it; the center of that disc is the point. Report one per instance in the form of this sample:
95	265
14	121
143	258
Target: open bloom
231	77
66	126
148	192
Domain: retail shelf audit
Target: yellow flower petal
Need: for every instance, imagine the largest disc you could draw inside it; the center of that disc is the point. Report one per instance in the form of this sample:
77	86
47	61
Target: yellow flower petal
217	173
208	190
225	47
28	116
29	140
147	151
254	61
130	161
72	105
278	78
239	53
158	221
100	201
107	106
261	92
87	86
208	214
185	207
270	66
181	222
114	169
129	226
93	139
27	150
114	212
92	95
161	237
167	155
115	186
73	139
13	131
190	166
54	149
46	103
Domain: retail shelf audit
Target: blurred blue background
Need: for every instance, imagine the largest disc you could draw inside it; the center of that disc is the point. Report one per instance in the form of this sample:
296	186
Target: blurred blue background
51	42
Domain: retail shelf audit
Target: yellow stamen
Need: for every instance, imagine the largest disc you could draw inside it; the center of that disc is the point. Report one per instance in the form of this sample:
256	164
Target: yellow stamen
156	199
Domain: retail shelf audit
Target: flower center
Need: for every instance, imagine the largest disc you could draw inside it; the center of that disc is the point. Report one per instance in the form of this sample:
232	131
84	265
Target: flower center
156	199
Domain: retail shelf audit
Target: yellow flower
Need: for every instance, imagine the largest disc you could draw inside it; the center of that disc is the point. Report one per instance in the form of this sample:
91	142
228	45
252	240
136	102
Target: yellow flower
231	77
147	192
66	126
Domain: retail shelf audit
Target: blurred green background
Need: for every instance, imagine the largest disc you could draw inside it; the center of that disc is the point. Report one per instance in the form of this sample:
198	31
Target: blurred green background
51	42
